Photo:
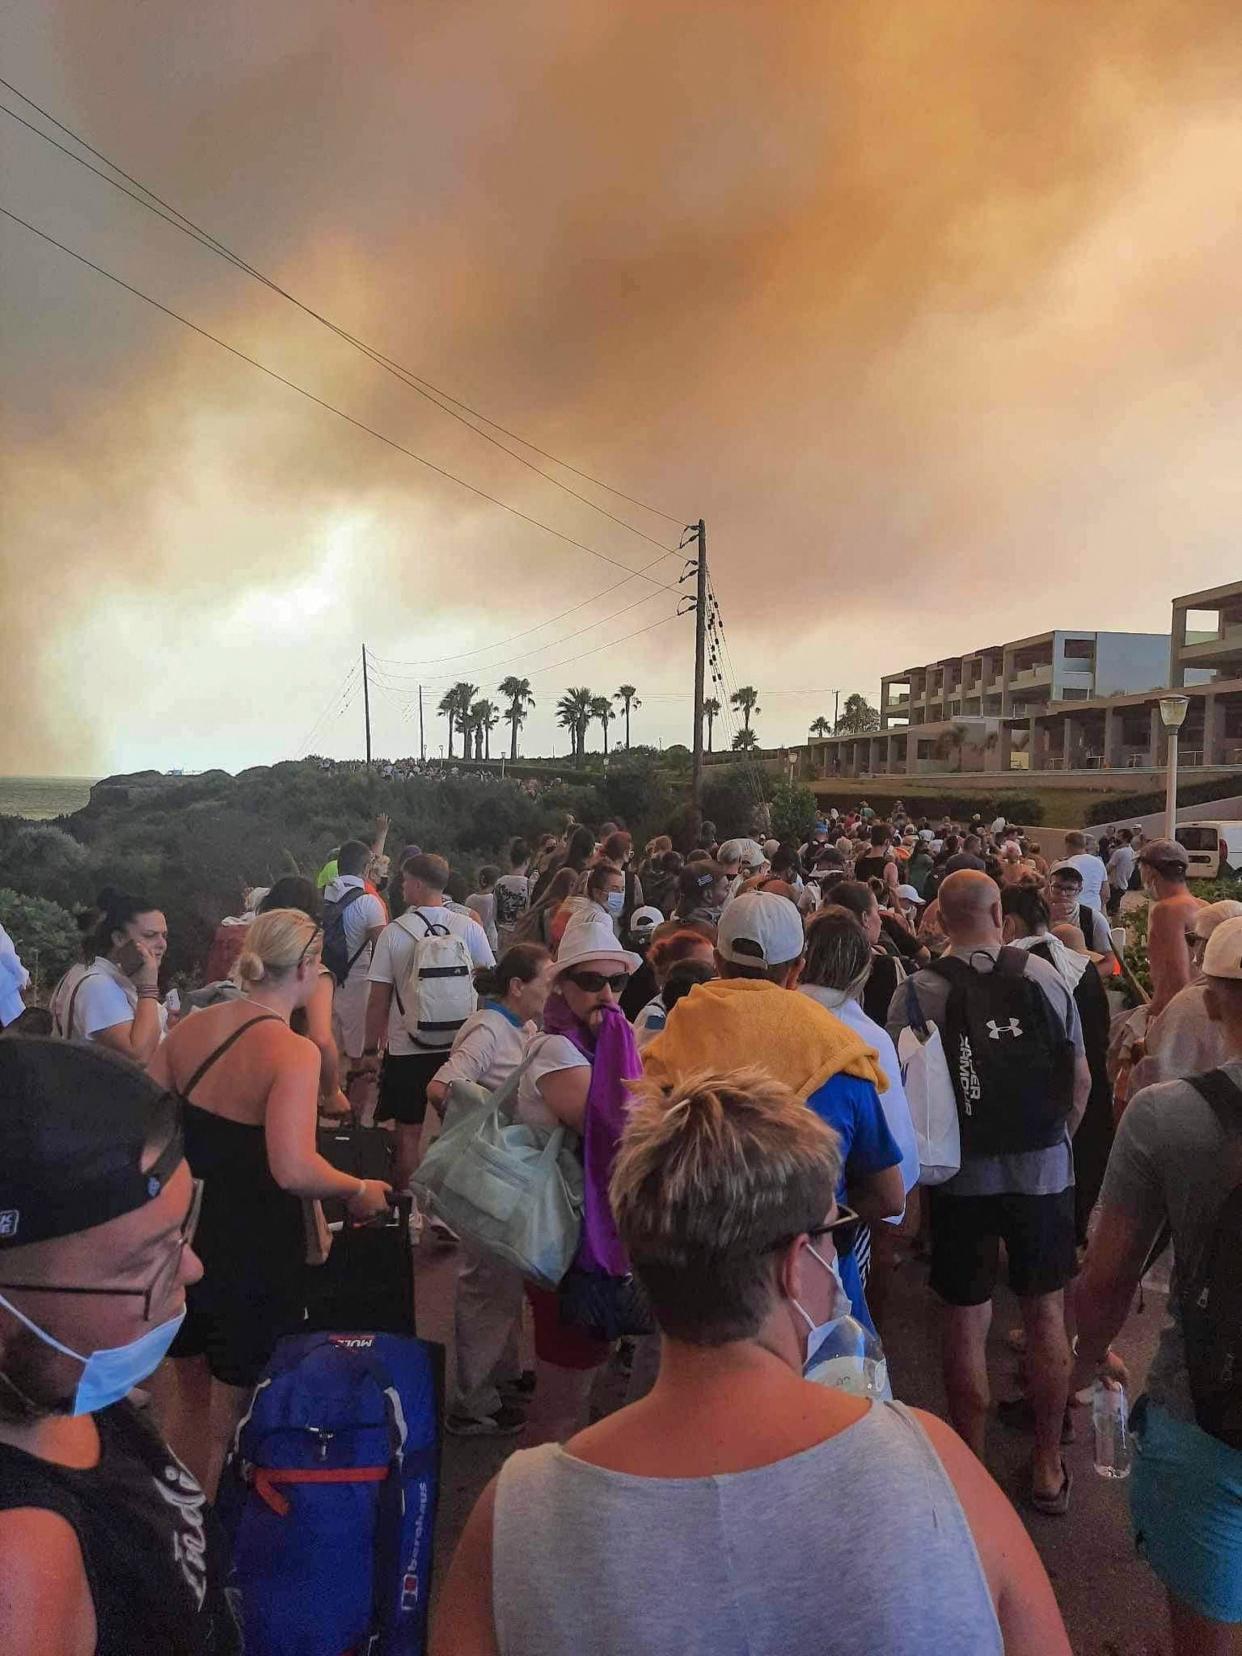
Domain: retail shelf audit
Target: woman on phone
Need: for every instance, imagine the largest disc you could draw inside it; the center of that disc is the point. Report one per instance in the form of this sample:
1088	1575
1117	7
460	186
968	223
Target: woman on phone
115	999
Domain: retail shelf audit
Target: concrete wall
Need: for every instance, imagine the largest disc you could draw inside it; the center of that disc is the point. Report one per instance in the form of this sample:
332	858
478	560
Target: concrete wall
1128	662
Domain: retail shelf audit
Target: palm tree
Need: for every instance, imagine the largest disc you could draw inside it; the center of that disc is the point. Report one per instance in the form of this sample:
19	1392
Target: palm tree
627	695
711	712
745	741
448	707
821	727
484	716
516	692
601	709
747	701
575	712
461	696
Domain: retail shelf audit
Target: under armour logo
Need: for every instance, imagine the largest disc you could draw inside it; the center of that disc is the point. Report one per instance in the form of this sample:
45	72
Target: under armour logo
995	1030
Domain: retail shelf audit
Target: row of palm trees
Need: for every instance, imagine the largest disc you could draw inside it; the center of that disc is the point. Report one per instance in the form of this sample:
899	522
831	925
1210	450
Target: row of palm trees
474	717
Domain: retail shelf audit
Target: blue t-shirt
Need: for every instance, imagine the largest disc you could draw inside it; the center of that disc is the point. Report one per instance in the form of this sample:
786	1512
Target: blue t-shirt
853	1110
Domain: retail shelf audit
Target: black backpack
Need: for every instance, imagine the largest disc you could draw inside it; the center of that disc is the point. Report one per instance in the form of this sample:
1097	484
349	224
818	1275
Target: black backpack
1012	1065
335	949
1211	1297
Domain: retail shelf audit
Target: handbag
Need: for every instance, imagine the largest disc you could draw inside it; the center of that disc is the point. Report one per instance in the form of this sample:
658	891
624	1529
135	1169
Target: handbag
508	1189
929	1093
605	1306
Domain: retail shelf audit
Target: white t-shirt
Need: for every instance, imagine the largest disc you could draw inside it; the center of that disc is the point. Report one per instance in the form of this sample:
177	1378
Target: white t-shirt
1094	876
363	915
13	979
484	905
394	951
547	1053
650	1022
107	997
1121	867
486	1049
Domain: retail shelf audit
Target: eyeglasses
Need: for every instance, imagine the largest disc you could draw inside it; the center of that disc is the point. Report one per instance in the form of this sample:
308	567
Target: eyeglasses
157	1291
843	1231
310	944
592	983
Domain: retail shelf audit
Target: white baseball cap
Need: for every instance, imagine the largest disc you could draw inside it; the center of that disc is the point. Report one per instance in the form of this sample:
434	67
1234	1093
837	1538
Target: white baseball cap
1212	915
760	928
746	851
647	918
908	894
1223	956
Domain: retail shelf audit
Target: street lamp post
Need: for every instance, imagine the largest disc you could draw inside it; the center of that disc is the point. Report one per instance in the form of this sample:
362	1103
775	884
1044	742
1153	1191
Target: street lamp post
1173	714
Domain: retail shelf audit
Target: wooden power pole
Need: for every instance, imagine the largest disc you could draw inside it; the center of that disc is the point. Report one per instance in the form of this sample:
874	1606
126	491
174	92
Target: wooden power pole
700	667
366	701
422	740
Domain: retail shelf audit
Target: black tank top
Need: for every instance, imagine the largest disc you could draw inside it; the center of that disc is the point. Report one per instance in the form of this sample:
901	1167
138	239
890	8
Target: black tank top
870	866
249	1230
152	1557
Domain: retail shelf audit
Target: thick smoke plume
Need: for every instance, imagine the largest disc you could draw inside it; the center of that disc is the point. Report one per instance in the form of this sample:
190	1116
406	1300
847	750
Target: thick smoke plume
930	308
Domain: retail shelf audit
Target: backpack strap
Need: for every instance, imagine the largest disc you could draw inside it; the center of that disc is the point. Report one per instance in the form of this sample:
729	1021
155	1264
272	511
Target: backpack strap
1222	1093
914	1012
218	1052
73	1001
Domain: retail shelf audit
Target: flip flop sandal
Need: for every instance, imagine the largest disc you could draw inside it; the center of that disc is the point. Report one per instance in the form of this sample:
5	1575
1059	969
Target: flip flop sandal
1054	1506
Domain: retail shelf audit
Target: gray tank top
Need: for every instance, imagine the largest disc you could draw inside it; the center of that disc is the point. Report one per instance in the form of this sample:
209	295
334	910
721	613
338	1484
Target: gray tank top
855	1547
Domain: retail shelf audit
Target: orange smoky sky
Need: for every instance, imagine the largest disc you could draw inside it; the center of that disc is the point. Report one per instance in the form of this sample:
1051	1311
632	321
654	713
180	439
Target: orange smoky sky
930	309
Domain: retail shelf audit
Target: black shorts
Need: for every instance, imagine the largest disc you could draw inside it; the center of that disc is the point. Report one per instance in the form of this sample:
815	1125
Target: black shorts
966	1233
236	1330
403	1086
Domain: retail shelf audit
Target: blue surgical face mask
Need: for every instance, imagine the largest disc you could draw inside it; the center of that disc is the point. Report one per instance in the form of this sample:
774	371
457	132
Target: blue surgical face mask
615	903
108	1376
842	1306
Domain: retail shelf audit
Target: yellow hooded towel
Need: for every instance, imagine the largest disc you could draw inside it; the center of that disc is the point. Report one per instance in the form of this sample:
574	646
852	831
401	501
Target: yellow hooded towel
734	1023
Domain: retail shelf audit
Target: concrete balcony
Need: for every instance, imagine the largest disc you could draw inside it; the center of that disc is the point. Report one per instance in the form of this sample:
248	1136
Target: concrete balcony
1041	673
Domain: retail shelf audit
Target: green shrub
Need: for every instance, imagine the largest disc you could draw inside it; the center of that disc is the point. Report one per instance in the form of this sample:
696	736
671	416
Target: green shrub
1115	806
44	934
793	812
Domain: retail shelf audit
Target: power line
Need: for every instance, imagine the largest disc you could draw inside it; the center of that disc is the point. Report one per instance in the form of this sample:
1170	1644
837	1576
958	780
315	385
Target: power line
424	388
347	691
361	425
403	670
463	655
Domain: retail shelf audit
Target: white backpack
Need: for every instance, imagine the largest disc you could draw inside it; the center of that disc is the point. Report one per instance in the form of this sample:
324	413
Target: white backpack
438	993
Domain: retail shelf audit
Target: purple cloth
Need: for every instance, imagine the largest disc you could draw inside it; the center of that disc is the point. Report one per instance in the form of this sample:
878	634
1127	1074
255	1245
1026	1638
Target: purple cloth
614	1061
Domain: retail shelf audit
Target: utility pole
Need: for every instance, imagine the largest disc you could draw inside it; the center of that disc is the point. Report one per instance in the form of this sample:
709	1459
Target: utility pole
836	709
366	702
700	666
422	741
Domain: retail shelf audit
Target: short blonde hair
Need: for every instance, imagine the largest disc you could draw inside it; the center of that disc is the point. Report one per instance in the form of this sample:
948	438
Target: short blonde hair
714	1174
275	943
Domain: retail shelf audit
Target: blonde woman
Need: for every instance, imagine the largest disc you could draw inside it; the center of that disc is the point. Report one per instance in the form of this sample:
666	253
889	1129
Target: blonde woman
739	1505
249	1087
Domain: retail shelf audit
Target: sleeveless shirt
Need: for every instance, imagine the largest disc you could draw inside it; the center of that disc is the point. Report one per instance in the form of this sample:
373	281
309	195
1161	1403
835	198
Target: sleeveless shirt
145	1532
856	1546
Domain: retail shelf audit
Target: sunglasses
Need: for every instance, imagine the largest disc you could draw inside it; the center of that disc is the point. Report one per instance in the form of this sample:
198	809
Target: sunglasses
593	983
843	1231
158	1289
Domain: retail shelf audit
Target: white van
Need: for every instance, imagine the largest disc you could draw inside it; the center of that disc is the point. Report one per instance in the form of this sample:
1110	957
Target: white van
1214	848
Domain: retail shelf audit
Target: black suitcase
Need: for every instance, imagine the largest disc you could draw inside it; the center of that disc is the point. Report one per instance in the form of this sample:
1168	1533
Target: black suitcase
367	1282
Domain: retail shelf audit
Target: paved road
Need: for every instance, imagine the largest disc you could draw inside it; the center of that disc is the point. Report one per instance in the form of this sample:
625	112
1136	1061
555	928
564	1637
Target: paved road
1111	1602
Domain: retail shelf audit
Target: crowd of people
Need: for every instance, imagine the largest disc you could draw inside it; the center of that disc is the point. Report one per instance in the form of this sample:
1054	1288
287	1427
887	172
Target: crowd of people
721	1036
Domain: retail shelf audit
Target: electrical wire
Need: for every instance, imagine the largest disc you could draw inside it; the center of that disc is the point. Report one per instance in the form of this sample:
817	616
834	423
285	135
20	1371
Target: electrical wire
463	655
361	425
424	388
347	691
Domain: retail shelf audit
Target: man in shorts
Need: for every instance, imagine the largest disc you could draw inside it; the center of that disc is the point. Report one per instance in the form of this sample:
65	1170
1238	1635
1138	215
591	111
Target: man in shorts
407	1067
1175	1161
1025	1199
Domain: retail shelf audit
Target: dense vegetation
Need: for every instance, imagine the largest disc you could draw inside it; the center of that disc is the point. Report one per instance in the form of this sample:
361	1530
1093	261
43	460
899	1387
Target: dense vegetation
1115	807
192	845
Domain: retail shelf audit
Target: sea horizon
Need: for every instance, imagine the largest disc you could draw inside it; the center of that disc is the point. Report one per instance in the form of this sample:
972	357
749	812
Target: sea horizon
41	798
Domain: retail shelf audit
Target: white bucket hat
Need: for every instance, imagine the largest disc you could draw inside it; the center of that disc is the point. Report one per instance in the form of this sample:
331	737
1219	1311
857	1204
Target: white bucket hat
591	940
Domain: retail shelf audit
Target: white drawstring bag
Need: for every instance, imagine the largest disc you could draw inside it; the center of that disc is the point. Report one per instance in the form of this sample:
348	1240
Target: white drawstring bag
930	1095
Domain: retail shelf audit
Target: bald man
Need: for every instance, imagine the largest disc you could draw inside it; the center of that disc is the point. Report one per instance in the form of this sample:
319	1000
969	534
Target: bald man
1023	1192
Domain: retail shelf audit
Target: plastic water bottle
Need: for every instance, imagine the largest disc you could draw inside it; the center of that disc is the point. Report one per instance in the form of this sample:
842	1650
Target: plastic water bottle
1110	1417
851	1358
